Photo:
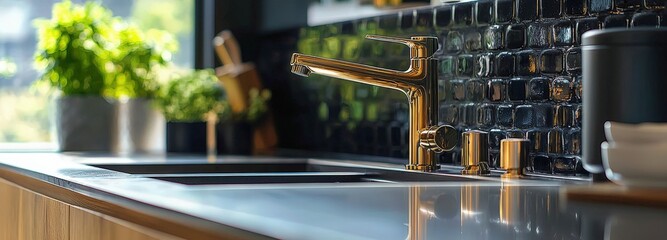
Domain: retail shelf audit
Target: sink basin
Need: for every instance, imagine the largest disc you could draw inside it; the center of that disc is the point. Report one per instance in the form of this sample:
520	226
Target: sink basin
278	170
204	167
264	178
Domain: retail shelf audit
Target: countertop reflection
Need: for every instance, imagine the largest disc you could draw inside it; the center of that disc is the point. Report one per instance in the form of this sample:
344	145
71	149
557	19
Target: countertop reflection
513	209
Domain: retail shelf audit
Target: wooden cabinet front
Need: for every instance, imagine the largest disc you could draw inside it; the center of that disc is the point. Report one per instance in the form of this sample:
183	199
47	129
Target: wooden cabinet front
28	215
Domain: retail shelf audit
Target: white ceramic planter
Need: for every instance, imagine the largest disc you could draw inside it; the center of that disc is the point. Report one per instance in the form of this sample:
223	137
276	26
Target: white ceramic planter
145	127
86	123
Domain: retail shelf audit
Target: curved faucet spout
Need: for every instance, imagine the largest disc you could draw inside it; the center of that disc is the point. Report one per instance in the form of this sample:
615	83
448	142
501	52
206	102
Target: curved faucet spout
301	70
404	81
418	82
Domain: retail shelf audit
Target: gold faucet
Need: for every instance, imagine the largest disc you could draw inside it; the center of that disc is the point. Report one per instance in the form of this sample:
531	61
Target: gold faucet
419	83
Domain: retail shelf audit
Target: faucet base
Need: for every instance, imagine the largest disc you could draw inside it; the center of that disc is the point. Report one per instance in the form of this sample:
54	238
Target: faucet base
512	173
480	169
423	168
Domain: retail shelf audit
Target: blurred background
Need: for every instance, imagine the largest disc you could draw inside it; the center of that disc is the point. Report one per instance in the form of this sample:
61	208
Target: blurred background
25	120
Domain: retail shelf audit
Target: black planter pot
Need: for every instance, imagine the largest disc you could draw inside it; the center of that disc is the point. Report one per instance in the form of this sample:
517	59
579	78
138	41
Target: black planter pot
235	138
186	137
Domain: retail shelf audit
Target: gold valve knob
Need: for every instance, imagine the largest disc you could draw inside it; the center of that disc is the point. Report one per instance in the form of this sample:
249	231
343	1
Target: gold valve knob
513	156
439	138
475	153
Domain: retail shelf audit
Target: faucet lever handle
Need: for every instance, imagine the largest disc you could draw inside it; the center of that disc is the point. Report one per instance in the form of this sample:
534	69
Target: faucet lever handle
420	46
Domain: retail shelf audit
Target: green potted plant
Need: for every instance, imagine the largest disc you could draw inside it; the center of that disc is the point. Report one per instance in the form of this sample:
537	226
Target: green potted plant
185	102
137	58
74	53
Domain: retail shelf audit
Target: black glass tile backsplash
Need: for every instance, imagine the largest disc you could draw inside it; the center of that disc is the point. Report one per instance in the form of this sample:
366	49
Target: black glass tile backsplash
504	12
550	8
509	67
527	10
515	36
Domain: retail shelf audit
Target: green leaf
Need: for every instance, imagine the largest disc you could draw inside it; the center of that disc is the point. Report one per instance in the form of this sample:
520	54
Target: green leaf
85	50
189	97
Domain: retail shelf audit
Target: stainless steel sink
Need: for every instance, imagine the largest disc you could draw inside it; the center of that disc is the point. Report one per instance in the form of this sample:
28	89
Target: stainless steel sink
264	178
277	170
204	167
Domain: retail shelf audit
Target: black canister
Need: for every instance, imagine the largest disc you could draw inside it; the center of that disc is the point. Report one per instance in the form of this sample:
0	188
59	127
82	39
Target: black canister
624	80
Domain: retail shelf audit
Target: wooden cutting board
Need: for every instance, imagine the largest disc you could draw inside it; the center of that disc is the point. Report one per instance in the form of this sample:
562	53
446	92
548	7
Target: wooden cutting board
613	193
238	78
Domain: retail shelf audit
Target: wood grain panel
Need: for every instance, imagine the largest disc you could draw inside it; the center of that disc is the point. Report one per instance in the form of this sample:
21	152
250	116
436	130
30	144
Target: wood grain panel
4	209
57	220
113	228
32	220
163	221
9	211
26	215
84	225
40	216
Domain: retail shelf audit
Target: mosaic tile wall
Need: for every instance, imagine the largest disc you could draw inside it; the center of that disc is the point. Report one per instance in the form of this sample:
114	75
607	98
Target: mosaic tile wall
509	67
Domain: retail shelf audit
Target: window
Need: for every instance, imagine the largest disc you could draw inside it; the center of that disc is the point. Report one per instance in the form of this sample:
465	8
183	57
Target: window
24	109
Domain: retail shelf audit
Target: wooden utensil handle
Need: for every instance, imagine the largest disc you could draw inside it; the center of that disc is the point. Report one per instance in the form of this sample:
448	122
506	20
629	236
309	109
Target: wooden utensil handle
223	54
232	46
